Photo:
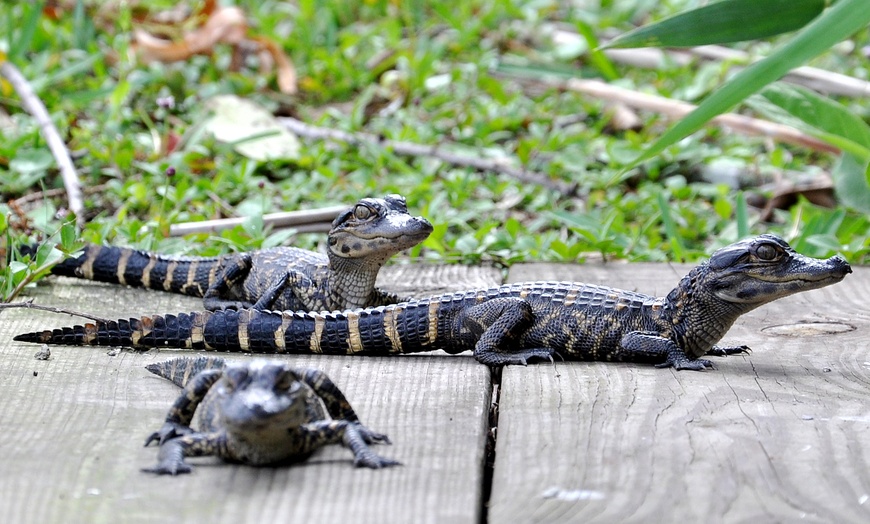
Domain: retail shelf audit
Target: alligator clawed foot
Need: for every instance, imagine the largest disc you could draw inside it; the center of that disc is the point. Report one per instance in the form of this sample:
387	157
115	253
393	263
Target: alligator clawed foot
374	461
169	431
722	351
681	362
372	437
520	357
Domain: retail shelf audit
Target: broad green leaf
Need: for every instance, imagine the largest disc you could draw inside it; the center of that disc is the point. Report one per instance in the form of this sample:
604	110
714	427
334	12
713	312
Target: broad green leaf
722	22
835	24
850	182
251	129
68	235
826	242
815	115
16	267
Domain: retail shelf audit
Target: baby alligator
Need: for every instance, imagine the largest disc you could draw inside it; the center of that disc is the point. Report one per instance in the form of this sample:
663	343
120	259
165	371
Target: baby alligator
509	324
258	413
361	240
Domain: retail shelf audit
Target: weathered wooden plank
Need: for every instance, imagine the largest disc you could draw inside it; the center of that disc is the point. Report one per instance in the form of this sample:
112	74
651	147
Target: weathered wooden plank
780	435
73	428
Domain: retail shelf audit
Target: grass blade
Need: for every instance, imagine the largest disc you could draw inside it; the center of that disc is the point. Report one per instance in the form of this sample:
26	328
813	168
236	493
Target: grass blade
835	24
18	46
722	22
671	228
815	115
741	215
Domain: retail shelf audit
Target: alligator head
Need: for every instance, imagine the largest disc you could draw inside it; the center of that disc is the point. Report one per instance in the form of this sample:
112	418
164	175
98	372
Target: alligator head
762	269
376	228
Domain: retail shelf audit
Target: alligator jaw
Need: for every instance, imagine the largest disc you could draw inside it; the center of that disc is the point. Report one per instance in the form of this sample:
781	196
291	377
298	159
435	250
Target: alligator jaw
792	275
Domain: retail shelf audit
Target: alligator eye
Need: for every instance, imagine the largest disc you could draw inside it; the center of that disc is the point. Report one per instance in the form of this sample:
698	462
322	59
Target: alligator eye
767	252
285	381
235	376
362	212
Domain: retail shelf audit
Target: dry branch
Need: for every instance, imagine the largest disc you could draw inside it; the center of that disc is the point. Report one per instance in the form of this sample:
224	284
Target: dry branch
36	196
652	58
30	305
676	109
305	221
437	151
35	107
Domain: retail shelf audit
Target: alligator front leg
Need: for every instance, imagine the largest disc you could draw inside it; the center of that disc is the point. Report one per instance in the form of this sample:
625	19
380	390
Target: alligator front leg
336	403
216	296
268	298
646	346
181	413
498	325
295	290
352	435
170	458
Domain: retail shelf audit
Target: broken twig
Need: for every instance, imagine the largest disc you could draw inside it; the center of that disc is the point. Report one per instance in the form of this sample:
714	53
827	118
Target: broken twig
30	305
652	58
437	151
35	107
677	109
304	221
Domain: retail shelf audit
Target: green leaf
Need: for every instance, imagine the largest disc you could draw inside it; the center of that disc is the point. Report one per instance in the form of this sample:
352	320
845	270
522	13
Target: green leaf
250	128
16	267
815	115
20	45
835	24
722	22
670	227
596	56
68	236
29	161
850	182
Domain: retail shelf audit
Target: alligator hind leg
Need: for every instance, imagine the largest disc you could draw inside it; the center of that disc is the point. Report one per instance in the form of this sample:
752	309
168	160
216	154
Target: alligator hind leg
217	295
498	325
647	346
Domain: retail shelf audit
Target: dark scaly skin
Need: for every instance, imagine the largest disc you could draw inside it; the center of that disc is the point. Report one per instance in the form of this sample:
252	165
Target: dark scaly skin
257	413
361	240
510	324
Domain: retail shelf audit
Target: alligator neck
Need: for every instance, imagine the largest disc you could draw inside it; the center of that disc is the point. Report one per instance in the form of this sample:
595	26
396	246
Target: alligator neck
353	279
700	318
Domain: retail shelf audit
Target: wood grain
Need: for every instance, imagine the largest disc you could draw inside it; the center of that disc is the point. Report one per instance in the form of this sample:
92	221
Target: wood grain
74	425
780	435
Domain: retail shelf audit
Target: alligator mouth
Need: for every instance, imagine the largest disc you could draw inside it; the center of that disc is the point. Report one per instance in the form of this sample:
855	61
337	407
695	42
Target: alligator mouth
834	275
421	232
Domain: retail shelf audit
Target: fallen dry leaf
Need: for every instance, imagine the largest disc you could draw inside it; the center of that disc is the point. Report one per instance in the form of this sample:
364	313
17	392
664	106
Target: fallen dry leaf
222	25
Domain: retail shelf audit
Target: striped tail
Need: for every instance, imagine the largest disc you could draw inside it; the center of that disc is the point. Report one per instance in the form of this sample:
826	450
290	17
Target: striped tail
121	265
399	328
180	370
146	332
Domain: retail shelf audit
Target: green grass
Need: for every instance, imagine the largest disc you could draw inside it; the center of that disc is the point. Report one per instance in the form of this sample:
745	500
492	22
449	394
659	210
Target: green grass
443	55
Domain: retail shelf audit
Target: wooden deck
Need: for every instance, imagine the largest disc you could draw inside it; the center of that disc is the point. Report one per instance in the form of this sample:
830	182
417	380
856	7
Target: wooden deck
781	435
